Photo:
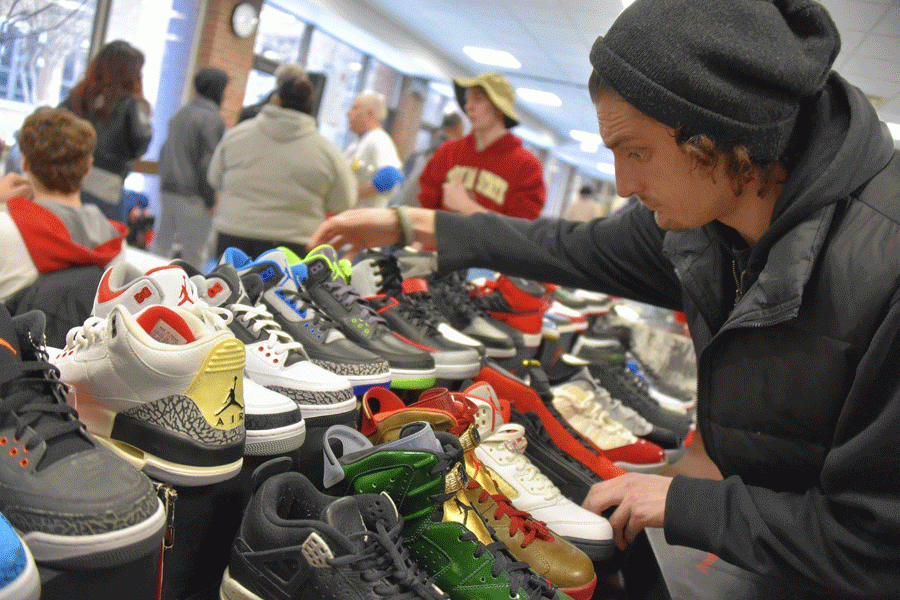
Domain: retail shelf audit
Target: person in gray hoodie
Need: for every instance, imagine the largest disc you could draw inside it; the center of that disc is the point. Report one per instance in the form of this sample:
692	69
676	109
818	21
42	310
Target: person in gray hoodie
186	199
277	176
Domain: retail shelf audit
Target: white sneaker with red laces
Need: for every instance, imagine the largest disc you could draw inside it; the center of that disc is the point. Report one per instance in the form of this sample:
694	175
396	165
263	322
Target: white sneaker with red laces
502	449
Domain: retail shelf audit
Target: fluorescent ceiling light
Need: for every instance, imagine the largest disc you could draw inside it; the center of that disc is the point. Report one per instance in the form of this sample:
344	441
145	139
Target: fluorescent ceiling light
354	66
626	3
606	168
589	146
495	58
538	97
585	136
895	130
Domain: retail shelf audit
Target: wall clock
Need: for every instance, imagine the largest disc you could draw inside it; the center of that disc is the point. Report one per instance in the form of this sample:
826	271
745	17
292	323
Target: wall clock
244	19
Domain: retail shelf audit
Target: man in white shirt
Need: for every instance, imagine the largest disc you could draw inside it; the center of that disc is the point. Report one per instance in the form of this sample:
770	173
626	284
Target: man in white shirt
373	151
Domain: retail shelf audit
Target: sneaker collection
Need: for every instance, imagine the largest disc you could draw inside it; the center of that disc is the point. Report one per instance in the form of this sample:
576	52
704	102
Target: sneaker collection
470	490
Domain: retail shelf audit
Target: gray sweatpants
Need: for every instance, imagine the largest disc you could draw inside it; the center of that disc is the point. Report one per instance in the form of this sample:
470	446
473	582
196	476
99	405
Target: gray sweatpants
183	219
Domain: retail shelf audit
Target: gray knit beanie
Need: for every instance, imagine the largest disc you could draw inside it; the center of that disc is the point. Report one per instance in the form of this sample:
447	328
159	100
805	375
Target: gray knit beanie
735	70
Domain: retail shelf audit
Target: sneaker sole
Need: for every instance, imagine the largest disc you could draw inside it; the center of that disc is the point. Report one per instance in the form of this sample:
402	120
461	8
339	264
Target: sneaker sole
596	550
337	402
102	550
452	371
278	440
361	389
652	468
230	589
584	592
500	352
27	584
169	472
411	381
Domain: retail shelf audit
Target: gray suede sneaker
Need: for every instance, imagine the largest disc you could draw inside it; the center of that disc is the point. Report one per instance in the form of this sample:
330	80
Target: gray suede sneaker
76	504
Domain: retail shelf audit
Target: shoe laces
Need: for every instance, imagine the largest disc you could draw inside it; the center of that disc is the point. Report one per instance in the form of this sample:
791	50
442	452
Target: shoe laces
507	446
610	432
386	562
521	577
32	396
350	299
258	318
319	324
519	520
86	334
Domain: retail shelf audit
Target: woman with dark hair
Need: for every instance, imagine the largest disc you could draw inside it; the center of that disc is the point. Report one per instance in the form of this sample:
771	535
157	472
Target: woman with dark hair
111	98
277	176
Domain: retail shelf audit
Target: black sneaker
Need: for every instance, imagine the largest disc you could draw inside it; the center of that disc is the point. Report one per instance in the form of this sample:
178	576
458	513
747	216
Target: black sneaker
76	504
451	296
327	283
410	315
320	337
295	542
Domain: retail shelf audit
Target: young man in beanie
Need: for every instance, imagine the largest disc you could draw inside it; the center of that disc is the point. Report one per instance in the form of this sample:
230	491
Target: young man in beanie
186	198
487	170
770	214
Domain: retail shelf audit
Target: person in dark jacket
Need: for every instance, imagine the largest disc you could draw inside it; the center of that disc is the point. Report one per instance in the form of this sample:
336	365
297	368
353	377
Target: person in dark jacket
770	213
111	97
186	198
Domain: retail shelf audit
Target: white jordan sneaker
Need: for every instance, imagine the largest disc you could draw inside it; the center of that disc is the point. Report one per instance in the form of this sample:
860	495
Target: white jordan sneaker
274	424
502	449
162	389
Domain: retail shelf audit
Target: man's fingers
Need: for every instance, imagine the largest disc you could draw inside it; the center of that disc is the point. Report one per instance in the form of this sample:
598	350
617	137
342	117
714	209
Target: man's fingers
603	495
619	520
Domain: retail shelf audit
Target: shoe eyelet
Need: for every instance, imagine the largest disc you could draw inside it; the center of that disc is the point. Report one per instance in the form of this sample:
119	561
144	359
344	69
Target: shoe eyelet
3	441
23	462
13	451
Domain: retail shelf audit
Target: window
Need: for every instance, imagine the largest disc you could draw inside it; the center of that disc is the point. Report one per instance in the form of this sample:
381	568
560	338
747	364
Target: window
341	66
280	35
166	38
43	48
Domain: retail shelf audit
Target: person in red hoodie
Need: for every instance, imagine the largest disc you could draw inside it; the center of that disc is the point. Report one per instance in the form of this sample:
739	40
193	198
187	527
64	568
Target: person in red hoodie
487	170
48	230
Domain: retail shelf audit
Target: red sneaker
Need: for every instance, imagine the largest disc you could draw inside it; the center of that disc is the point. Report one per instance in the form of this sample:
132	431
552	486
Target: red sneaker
518	302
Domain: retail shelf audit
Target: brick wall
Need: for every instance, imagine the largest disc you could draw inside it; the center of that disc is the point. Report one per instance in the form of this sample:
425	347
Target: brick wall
220	47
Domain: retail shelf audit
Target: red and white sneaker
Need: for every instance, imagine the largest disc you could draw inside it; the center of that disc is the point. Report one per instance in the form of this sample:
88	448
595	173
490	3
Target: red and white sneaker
162	389
517	302
274	421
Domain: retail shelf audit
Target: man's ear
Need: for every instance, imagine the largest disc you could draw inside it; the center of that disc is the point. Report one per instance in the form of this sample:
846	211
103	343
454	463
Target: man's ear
25	165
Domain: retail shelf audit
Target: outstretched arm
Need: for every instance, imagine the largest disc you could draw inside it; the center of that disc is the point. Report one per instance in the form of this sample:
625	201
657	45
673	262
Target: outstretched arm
372	228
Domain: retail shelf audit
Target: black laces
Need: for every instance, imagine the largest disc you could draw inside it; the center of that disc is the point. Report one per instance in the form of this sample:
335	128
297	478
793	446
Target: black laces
385	562
33	397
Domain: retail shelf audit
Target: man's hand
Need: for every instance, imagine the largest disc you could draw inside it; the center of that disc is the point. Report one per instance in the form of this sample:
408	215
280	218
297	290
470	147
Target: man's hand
458	199
641	501
371	228
13	185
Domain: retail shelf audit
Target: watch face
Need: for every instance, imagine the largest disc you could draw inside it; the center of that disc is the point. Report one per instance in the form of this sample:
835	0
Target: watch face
244	19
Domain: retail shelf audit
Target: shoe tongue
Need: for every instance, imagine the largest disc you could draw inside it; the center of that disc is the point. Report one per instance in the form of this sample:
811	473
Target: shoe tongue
344	515
10	351
417	435
321	265
223	286
253	286
173	285
486	391
377	507
273	268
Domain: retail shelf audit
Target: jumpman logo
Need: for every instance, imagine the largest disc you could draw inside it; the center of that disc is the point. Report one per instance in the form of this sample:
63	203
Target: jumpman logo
231	400
466	510
185	296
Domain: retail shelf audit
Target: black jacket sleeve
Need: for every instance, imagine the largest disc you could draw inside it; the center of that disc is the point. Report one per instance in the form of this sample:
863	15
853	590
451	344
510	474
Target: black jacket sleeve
621	255
844	534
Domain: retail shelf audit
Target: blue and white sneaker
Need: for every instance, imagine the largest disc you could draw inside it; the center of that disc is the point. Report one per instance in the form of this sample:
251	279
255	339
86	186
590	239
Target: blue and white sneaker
322	340
19	579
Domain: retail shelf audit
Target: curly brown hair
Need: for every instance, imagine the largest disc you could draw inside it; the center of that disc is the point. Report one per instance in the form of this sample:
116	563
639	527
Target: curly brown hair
58	147
740	167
